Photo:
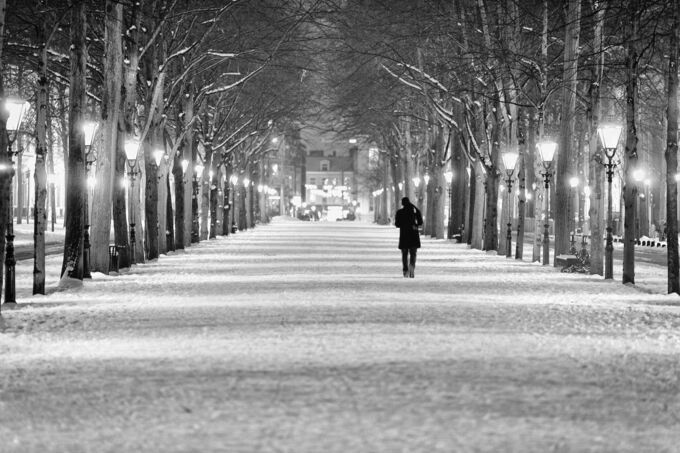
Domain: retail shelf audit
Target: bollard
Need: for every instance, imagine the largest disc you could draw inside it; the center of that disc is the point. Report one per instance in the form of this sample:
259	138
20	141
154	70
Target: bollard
113	258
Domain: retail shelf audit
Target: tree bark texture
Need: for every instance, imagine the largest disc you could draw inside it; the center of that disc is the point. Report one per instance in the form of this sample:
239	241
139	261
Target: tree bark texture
596	160
120	223
205	192
672	157
566	153
102	203
189	155
72	265
169	215
5	176
151	200
40	207
213	197
630	190
162	206
180	189
226	194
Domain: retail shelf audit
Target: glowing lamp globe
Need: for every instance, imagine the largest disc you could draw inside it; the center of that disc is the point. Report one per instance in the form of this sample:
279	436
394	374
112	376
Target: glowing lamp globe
509	161
131	149
158	156
546	151
609	136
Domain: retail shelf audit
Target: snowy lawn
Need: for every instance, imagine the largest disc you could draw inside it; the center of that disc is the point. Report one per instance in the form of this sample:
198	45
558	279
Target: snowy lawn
23	233
304	337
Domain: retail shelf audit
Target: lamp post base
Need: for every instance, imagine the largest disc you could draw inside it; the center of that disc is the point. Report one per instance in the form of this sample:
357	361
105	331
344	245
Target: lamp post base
546	245
508	246
86	252
609	256
133	239
10	271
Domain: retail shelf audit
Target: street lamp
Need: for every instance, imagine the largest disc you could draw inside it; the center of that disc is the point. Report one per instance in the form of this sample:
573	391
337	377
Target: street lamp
15	111
573	183
89	130
546	151
609	136
509	162
131	150
158	154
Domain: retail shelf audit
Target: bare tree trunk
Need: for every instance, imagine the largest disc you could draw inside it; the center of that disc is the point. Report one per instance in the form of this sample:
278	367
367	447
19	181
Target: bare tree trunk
672	158
102	203
521	208
478	219
596	168
195	225
162	183
120	223
565	155
151	199
205	192
188	154
440	198
630	190
226	193
5	177
180	207
75	183
540	192
50	167
169	215
40	207
248	200
214	175
262	194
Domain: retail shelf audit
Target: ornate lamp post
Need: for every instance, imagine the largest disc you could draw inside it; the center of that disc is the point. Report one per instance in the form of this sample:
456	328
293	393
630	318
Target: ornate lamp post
131	149
89	129
15	109
546	150
609	136
509	162
573	183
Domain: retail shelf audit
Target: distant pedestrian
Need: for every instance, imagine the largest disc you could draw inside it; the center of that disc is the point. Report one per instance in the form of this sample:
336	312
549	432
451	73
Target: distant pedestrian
408	219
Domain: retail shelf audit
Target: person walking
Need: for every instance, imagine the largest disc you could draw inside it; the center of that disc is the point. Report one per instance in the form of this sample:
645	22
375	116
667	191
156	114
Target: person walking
408	219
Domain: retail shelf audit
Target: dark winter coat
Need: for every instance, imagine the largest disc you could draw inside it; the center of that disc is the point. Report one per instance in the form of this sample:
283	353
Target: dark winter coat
408	219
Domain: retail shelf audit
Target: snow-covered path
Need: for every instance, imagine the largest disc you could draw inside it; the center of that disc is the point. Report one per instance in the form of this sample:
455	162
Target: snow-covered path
304	337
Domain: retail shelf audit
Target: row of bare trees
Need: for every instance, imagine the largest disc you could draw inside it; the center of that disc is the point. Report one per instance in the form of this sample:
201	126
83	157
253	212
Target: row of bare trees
453	85
183	86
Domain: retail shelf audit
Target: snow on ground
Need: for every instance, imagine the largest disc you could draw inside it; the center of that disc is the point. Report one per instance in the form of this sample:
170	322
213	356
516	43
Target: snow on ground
23	233
304	337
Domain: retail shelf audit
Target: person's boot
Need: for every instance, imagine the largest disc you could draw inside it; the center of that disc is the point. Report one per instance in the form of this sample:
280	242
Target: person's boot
406	274
411	270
